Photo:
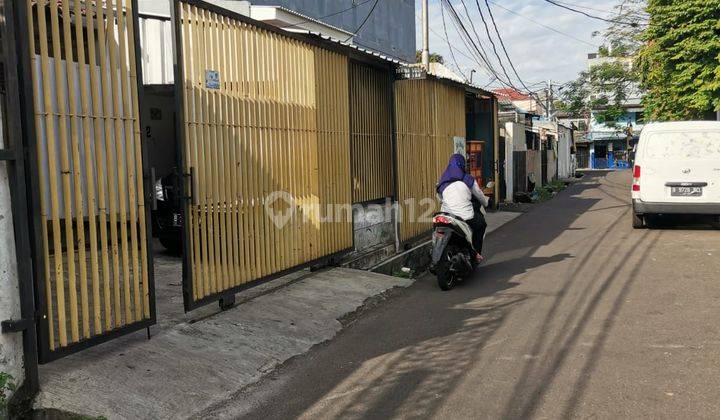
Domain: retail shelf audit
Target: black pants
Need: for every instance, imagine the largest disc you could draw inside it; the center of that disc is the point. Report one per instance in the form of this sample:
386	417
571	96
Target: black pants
478	226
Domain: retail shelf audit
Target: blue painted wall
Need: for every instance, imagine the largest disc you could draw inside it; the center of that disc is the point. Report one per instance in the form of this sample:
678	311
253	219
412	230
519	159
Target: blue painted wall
390	29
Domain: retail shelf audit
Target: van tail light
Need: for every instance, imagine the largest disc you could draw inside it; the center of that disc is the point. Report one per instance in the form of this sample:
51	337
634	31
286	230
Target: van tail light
636	178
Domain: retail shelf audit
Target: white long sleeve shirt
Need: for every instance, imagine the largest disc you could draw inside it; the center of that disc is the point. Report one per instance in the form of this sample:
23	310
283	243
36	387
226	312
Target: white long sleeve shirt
456	199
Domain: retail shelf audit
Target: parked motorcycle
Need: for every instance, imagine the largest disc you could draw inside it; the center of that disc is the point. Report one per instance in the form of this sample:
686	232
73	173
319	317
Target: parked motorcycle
452	256
167	214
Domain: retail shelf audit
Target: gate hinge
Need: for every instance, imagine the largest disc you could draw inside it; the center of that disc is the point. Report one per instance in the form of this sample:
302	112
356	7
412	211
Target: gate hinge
16	325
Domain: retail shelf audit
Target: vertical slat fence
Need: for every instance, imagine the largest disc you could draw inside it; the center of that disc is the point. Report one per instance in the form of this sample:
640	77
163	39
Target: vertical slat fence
428	114
267	146
371	132
88	150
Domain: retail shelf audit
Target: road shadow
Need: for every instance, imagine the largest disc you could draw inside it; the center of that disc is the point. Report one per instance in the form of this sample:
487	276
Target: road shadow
419	347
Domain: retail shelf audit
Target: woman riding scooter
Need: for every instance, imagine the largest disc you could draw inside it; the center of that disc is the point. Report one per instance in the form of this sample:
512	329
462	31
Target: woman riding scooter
457	188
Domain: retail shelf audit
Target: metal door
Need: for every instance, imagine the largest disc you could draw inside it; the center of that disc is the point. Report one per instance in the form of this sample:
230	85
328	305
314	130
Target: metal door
91	225
264	141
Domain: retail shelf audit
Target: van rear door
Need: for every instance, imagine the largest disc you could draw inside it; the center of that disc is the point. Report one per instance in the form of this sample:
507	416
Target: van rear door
681	167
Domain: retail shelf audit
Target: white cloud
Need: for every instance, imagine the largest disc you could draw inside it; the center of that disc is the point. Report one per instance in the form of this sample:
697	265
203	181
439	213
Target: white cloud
538	53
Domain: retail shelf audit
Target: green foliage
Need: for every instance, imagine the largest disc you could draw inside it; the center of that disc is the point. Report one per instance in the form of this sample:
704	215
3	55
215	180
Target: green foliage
434	57
556	185
6	385
542	194
680	61
603	88
547	191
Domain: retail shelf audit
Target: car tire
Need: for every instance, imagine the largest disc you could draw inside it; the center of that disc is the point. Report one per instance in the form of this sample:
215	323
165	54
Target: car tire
715	222
638	221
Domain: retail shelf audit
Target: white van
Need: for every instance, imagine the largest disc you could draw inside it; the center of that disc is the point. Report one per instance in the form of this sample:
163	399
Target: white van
677	170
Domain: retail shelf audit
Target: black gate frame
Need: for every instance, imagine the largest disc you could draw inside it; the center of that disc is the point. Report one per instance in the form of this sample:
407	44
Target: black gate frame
46	355
14	154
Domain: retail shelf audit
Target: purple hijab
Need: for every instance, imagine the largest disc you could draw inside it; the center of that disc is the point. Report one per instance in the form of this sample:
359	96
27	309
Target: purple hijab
455	171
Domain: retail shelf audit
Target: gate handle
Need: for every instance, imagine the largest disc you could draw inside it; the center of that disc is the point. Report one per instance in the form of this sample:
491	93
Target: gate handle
191	180
153	188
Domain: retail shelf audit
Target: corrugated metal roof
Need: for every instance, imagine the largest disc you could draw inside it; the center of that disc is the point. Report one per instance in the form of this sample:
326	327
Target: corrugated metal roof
303	16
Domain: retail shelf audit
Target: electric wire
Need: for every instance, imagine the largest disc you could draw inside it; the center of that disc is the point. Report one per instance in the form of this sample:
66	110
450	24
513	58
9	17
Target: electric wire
502	43
470	43
543	25
452	54
306	20
357	31
618	22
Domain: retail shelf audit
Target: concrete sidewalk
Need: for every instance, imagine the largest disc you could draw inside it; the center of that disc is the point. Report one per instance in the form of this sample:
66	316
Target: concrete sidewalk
190	367
197	361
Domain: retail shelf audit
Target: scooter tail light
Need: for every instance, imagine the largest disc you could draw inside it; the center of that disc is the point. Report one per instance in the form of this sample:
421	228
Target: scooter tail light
441	219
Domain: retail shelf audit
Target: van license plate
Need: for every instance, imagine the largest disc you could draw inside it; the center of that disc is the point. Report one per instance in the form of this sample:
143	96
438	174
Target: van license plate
686	191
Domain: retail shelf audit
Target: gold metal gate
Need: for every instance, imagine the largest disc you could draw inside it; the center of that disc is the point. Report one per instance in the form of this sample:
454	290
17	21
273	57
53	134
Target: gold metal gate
428	114
264	139
95	278
371	132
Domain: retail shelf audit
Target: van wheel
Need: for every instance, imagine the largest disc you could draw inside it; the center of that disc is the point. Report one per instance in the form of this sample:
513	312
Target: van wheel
637	221
715	222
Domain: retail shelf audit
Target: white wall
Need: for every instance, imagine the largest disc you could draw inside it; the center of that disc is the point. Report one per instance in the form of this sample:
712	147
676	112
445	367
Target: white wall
517	132
564	152
156	51
509	169
11	360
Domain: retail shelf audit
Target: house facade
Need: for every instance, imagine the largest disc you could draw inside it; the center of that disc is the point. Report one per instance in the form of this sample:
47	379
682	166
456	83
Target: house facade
607	146
387	27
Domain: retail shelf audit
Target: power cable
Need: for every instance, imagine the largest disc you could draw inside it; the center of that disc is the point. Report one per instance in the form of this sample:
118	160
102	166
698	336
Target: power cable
452	54
618	22
327	16
469	42
544	26
502	43
492	44
446	39
372	9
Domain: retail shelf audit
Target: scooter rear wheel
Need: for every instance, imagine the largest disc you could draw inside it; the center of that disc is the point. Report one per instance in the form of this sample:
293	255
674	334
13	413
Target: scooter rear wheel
446	279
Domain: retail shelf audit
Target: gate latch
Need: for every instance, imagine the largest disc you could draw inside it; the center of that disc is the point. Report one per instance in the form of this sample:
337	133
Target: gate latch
15	325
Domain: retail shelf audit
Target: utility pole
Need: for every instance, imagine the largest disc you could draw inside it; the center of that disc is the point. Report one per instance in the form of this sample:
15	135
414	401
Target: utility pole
548	93
426	36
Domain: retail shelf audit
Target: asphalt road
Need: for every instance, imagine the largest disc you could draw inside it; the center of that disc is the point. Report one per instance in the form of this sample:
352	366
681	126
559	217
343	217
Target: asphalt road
574	315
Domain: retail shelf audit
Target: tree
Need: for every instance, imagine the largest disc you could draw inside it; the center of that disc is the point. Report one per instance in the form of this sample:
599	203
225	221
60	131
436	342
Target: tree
679	64
605	87
434	57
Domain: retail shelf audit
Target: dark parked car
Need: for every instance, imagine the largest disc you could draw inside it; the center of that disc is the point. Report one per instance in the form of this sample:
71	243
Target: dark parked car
167	214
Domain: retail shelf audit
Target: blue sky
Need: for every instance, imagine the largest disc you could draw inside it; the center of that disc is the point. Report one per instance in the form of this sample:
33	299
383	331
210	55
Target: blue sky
537	52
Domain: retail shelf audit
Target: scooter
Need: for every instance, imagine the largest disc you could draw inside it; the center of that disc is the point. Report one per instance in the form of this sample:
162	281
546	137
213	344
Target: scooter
452	256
